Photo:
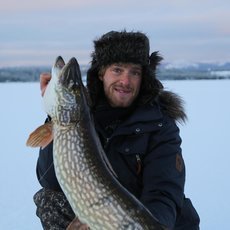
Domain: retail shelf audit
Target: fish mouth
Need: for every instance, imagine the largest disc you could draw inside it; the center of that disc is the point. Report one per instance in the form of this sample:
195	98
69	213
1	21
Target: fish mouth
70	76
59	62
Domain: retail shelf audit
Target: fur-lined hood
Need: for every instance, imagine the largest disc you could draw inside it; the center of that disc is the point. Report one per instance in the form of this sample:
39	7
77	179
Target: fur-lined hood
172	105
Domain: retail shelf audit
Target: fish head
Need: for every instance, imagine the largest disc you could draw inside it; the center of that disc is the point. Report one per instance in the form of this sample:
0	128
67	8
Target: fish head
65	92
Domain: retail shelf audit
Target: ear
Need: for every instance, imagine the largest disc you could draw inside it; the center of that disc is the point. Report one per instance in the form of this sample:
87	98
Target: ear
100	77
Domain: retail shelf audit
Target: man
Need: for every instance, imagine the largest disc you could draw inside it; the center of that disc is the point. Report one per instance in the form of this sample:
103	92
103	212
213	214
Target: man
136	123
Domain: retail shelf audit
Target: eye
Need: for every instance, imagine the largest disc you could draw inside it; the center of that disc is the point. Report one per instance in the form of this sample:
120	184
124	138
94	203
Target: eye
117	70
136	73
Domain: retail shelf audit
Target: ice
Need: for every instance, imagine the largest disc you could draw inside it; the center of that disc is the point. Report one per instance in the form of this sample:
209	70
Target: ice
205	150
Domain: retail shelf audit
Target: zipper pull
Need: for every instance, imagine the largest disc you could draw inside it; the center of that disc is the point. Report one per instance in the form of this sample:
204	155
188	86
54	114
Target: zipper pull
138	164
106	141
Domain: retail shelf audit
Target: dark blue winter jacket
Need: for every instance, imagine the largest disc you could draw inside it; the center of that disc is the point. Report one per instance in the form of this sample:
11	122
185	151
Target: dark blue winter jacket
145	152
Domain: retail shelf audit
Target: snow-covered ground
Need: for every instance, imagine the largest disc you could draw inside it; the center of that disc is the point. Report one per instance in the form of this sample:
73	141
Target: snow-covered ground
205	148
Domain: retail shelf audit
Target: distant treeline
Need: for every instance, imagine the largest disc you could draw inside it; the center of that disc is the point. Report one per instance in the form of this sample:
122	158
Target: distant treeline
201	71
195	71
182	74
21	74
26	74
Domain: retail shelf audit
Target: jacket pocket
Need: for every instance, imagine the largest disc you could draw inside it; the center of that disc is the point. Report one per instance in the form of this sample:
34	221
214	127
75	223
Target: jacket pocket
132	150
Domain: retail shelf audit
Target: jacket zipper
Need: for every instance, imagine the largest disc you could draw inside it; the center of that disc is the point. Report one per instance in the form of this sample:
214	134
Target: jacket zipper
106	143
138	164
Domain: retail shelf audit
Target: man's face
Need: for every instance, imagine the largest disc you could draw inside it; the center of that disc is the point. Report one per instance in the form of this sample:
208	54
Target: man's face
122	83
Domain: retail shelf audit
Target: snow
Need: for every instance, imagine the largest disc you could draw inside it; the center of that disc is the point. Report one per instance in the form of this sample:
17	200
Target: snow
205	150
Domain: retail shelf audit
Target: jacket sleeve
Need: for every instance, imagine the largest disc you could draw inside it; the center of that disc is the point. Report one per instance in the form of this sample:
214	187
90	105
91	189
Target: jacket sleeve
45	168
164	174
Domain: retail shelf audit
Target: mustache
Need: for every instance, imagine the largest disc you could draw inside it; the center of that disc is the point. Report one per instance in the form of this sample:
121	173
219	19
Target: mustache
123	87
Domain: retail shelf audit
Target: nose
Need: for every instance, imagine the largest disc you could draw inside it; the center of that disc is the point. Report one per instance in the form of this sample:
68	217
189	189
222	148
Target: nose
125	79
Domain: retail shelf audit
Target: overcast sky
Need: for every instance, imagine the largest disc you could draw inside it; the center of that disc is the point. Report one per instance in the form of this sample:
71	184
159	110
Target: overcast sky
35	32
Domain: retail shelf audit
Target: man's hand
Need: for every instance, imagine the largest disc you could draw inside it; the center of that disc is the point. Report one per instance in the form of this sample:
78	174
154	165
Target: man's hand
77	225
44	81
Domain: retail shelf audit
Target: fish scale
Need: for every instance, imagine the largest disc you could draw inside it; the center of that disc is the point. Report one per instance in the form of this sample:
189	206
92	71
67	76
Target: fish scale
82	169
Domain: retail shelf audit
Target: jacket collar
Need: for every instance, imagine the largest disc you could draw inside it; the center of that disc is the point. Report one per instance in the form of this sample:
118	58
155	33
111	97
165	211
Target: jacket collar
145	113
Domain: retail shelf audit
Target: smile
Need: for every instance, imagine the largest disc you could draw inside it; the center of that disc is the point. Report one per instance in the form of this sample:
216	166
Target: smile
123	91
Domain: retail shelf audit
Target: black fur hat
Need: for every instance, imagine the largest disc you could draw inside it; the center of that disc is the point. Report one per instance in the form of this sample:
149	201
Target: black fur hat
124	47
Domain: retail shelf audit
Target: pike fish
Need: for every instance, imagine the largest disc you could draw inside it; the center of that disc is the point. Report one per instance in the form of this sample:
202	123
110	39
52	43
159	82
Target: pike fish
82	169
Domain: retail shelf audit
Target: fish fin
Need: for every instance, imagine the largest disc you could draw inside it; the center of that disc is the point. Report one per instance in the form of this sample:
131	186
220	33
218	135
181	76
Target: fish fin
41	136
